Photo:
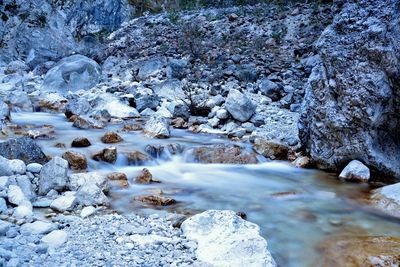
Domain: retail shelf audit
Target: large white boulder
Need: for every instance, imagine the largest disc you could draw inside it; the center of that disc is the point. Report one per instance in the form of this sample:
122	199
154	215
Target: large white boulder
387	198
71	74
224	239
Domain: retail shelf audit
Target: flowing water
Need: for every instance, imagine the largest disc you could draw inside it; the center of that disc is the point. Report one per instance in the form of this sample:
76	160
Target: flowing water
295	208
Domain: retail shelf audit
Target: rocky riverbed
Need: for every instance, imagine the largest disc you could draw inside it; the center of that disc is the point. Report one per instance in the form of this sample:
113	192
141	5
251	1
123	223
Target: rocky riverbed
160	140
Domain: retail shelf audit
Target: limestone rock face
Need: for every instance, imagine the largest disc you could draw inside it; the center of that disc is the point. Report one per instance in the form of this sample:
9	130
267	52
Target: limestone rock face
225	239
71	74
55	29
352	103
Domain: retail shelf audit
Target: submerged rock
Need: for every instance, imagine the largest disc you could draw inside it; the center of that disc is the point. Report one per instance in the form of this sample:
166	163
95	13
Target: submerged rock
223	154
71	74
80	142
239	105
224	239
120	177
145	177
108	154
111	137
387	198
271	149
23	148
164	150
156	200
359	251
137	158
355	171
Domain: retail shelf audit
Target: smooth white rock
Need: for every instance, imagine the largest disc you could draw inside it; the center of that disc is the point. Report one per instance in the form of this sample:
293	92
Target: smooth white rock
15	195
55	239
34	167
355	171
64	203
23	211
87	211
224	239
17	166
37	227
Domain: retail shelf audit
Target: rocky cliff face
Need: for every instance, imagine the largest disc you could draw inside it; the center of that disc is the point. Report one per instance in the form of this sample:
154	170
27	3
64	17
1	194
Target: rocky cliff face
43	30
352	105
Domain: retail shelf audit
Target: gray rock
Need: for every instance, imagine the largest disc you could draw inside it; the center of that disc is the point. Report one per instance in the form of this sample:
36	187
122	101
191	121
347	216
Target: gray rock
24	149
89	187
4	113
5	168
271	89
177	69
25	184
170	89
19	101
50	31
71	74
150	67
3	205
343	119
4	226
53	175
147	101
239	105
157	127
355	171
225	239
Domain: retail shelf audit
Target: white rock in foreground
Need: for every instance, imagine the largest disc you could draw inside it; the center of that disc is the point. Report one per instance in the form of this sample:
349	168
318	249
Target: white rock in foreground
224	239
387	198
55	239
355	171
157	127
87	211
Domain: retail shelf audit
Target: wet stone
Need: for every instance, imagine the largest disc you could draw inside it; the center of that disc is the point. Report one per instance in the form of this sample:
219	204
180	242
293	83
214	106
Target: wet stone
111	138
80	142
156	200
76	160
